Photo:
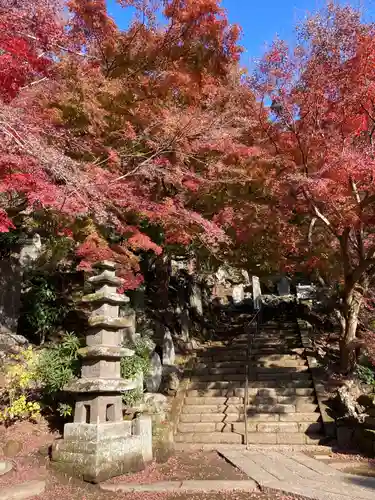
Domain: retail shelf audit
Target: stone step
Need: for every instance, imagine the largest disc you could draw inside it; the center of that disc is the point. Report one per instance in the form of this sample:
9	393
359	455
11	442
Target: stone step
204	417
240	369
253	438
270	408
276	391
293	400
257	399
211	437
271	392
240	385
254	426
281	408
274	427
272	376
286	361
198	400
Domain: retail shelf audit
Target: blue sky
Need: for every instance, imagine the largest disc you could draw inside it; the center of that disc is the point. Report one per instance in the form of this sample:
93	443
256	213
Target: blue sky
261	20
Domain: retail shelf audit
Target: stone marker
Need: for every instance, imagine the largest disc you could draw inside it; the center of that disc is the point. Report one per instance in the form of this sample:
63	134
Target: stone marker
23	491
238	294
153	379
283	286
100	444
168	349
306	292
257	292
5	467
196	299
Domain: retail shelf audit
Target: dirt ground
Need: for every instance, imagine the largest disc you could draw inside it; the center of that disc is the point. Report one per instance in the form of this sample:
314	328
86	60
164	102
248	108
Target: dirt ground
29	447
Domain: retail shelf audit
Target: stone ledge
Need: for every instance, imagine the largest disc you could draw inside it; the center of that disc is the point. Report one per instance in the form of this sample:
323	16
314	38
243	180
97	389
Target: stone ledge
204	486
23	491
105	295
106	278
103	351
329	423
100	321
101	385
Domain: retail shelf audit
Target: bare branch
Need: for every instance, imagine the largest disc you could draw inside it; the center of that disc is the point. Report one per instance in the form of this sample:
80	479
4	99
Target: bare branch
311	229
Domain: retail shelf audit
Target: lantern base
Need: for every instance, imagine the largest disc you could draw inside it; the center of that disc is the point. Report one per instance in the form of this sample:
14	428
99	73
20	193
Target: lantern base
97	452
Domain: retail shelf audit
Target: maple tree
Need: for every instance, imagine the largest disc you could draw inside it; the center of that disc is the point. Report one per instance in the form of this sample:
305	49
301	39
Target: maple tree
117	127
317	167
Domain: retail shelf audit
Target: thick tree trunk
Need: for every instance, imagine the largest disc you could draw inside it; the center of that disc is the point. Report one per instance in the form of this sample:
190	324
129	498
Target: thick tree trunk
352	306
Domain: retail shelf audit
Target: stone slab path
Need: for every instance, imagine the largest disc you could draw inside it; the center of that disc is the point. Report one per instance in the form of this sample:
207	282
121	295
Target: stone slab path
298	474
205	486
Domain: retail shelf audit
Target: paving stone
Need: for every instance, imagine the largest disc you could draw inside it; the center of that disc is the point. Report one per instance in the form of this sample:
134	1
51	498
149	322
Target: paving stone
5	467
305	392
218	437
310	427
204	486
203	409
232	417
23	491
190	417
240	427
197	427
285	427
220	427
212	417
306	407
300	417
276	408
210	393
264	417
290	438
170	486
205	401
262	438
296	400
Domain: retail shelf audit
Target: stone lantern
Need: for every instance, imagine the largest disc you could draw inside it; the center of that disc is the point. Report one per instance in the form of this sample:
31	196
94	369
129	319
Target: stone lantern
99	444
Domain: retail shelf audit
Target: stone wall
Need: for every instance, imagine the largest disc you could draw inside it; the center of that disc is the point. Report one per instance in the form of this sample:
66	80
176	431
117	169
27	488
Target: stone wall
10	295
355	435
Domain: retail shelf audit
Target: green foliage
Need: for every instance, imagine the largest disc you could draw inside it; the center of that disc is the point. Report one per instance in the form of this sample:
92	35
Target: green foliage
366	374
65	410
59	364
132	397
43	309
133	366
18	398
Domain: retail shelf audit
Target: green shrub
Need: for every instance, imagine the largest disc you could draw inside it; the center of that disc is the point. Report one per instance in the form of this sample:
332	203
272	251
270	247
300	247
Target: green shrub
132	366
18	399
366	374
43	309
59	364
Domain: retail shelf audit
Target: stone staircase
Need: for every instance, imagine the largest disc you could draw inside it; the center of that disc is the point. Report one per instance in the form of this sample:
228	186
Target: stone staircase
282	405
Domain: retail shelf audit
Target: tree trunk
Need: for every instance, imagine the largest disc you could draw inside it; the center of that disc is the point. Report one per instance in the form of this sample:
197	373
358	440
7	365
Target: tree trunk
352	306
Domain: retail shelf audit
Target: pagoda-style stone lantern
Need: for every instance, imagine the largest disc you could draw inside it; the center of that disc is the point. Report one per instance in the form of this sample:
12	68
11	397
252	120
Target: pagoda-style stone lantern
99	444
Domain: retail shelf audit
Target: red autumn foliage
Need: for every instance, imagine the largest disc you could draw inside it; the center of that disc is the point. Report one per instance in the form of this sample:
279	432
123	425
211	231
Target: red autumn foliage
118	126
318	157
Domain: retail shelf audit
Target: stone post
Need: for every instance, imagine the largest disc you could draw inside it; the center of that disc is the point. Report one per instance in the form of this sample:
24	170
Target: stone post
100	444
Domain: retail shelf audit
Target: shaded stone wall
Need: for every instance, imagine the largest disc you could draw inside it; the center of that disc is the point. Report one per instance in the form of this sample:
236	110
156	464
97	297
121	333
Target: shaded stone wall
10	295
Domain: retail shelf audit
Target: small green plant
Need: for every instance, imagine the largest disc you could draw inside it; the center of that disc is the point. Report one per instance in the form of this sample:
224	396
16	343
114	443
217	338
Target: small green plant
43	311
18	399
59	364
366	374
132	366
132	397
65	410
